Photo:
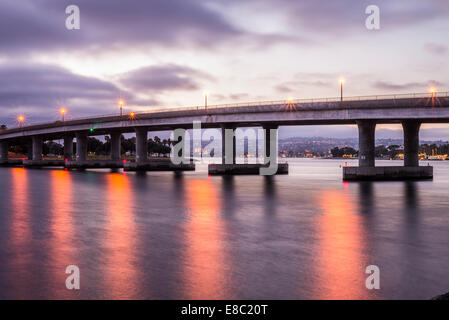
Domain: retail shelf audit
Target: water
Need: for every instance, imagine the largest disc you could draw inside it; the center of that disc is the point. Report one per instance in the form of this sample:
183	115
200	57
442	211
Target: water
161	236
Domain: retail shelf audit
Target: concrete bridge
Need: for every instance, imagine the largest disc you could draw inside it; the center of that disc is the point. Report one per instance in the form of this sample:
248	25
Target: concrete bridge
410	110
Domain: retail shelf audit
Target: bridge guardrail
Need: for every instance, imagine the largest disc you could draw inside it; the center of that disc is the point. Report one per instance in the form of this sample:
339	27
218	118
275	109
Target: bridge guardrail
268	103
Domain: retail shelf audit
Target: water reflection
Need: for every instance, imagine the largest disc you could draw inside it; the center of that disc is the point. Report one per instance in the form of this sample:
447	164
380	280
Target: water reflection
205	261
366	196
228	190
121	271
270	195
62	248
20	234
340	262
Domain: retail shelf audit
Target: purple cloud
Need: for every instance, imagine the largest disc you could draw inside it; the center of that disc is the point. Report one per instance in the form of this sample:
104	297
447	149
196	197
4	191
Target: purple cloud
40	90
419	86
27	27
436	48
163	78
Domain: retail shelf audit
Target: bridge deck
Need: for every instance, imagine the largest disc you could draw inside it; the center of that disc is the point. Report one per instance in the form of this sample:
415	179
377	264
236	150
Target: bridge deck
384	109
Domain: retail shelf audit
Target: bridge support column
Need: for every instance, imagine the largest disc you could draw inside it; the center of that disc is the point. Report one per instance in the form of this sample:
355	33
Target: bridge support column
115	145
228	145
68	148
81	146
411	143
229	165
141	145
367	130
29	150
271	142
37	148
3	151
368	171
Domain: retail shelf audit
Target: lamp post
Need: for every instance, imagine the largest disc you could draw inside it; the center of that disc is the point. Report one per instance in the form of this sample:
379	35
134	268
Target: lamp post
432	91
63	111
21	119
341	89
205	99
121	107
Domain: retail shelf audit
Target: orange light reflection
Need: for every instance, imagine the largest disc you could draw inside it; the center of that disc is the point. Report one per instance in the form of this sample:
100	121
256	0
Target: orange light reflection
20	236
205	257
121	276
340	260
63	250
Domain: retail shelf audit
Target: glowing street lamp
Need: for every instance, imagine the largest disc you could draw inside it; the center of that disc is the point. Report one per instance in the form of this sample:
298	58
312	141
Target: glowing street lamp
432	91
205	98
341	89
121	107
21	119
132	115
63	111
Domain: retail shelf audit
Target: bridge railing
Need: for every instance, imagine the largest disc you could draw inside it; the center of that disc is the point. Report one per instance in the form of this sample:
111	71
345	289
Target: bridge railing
265	103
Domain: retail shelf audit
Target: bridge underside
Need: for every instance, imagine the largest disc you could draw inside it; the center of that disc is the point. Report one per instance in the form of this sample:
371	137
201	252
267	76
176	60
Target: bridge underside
367	169
410	112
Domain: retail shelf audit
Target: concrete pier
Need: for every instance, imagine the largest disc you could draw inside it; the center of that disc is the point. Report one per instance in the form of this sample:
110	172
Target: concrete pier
94	164
68	147
411	143
158	165
81	146
367	169
367	130
141	145
37	148
3	151
30	150
115	146
387	173
229	165
11	163
270	135
43	163
243	169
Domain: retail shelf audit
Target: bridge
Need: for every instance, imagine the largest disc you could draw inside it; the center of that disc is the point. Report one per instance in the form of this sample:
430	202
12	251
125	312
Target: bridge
410	110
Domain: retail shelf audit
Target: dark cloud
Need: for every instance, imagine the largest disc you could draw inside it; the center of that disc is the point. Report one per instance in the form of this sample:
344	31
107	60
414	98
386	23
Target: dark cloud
436	48
346	17
39	90
40	85
303	80
419	86
163	78
239	96
28	25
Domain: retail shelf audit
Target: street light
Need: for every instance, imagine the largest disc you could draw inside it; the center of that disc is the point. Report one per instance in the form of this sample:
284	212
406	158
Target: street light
205	99
21	120
63	111
132	115
341	89
121	107
432	91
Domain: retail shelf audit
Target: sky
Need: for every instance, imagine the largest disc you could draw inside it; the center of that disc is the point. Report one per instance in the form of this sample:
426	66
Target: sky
160	54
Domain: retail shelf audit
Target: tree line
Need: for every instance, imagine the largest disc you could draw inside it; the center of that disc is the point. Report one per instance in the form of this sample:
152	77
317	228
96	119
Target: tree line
98	147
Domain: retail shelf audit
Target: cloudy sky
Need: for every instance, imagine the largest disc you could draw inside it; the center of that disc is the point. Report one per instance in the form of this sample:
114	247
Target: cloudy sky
166	53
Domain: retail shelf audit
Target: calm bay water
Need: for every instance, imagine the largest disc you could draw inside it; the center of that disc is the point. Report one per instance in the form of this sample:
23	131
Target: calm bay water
307	235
